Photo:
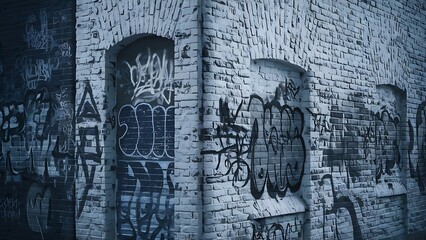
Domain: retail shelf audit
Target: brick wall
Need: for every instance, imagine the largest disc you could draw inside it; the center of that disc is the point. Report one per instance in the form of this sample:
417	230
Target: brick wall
212	119
37	166
356	77
137	71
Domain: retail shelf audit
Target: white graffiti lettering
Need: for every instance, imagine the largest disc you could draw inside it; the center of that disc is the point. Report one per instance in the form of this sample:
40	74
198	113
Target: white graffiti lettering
64	50
152	80
146	131
9	209
38	38
34	71
38	204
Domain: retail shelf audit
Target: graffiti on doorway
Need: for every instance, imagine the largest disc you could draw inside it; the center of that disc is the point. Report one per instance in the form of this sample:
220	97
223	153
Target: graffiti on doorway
270	155
151	79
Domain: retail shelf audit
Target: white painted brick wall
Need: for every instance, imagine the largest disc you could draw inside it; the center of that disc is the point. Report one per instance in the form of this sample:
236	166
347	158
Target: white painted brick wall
344	49
100	26
347	48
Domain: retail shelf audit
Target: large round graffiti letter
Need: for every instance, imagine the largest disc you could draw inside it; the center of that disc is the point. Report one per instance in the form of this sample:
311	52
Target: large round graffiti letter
128	130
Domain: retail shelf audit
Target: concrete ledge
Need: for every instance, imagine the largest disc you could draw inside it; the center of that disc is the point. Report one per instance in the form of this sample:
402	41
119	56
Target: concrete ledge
263	208
389	189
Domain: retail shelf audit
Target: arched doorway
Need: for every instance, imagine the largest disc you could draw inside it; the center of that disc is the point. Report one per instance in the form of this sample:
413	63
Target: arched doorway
145	139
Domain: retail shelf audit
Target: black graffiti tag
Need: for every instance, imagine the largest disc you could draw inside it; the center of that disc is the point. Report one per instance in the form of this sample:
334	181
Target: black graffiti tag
418	170
277	231
387	144
271	155
89	160
145	203
340	202
12	120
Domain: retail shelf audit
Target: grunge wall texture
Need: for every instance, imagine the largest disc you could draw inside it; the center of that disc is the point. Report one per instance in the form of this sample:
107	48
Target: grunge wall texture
137	72
208	119
37	164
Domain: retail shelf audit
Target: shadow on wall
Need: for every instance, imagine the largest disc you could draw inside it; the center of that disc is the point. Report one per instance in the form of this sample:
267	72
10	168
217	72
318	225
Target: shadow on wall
37	162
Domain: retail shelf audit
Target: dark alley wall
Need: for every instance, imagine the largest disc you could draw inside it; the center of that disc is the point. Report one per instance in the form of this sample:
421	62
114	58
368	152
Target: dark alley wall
37	74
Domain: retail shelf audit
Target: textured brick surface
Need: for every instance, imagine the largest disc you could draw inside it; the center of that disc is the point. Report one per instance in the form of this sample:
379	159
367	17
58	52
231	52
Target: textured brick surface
359	91
213	119
103	29
37	145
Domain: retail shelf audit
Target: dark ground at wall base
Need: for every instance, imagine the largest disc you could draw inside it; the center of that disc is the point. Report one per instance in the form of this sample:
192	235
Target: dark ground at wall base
413	236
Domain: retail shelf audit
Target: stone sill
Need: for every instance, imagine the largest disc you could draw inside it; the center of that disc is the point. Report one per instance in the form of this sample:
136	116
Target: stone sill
389	189
271	207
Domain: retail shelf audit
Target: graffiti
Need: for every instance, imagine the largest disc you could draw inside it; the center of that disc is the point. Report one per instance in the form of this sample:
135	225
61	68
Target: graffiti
11	175
64	161
184	53
63	118
65	103
145	206
145	140
48	119
88	161
33	126
64	50
328	95
37	162
152	80
48	124
387	144
38	37
12	120
368	138
287	90
281	128
291	230
35	71
350	146
323	126
271	155
38	205
87	109
33	207
321	122
340	204
344	152
10	209
110	118
418	170
39	114
346	144
146	131
60	16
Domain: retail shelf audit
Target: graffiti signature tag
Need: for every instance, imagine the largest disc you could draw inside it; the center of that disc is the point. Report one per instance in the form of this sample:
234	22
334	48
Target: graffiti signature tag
152	80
